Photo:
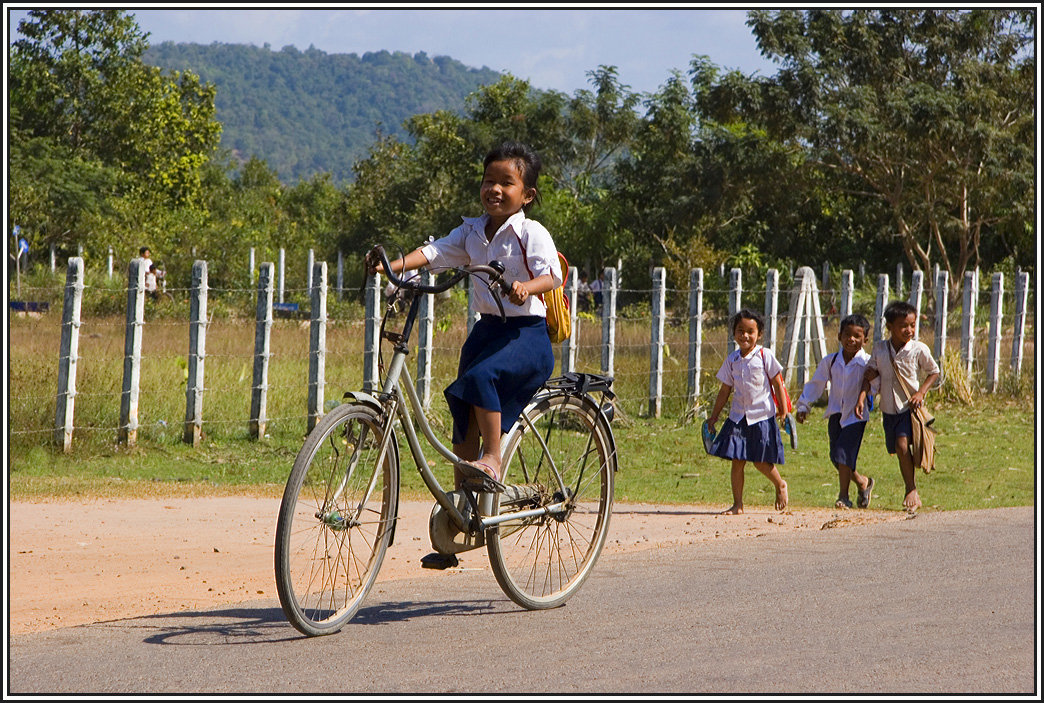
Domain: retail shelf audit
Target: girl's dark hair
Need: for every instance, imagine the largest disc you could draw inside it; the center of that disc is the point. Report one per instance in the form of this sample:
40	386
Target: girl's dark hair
746	314
527	160
858	321
898	310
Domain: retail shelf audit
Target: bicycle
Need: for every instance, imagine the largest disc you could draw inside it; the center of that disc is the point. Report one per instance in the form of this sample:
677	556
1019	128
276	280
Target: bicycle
543	527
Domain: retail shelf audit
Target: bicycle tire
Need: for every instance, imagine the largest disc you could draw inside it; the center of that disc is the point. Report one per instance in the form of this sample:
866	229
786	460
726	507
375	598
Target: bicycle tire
541	562
330	543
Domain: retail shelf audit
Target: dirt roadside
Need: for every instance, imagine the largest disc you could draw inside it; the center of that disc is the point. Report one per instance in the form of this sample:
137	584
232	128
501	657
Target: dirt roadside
74	563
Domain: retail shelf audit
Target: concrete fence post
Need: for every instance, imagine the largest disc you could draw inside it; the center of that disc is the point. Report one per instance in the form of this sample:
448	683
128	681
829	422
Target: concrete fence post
916	294
282	274
1019	333
425	338
847	290
735	300
69	354
659	277
128	429
570	343
771	309
193	428
969	301
317	345
695	333
993	354
942	311
609	290
262	351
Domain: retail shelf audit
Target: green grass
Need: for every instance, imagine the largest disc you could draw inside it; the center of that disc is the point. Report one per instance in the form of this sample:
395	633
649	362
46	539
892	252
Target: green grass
986	451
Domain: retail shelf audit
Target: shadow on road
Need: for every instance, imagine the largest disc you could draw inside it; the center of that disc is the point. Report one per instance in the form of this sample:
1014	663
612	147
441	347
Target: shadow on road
246	625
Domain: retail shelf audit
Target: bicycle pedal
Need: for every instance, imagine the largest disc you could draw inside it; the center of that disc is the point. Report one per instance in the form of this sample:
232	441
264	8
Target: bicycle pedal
482	485
439	561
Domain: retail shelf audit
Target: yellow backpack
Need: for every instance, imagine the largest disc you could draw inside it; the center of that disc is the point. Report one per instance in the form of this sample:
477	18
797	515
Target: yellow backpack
559	323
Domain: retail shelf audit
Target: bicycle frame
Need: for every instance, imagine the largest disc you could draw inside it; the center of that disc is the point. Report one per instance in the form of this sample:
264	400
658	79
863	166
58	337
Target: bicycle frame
395	403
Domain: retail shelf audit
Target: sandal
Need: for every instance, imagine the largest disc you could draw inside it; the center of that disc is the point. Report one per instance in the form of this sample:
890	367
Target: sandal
864	495
478	476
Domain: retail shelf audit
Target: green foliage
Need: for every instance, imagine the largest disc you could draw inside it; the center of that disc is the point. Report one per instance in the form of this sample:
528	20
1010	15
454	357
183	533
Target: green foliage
928	113
713	168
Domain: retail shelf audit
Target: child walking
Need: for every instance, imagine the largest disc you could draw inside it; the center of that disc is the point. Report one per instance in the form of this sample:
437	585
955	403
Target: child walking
911	358
502	364
751	375
843	370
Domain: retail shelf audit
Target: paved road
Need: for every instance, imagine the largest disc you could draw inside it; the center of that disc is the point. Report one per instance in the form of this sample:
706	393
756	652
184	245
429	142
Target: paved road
944	604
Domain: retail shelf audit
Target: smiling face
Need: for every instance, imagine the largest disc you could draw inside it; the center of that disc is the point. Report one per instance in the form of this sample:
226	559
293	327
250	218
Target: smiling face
902	329
503	192
746	334
852	339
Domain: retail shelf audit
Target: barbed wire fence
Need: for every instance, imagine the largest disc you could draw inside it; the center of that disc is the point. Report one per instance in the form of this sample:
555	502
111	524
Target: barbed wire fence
208	378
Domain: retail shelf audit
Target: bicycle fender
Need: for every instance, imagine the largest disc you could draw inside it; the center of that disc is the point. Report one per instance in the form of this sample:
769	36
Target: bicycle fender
365	399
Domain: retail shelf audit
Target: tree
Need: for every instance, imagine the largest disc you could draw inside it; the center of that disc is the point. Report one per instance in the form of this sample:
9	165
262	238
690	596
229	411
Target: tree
77	78
929	113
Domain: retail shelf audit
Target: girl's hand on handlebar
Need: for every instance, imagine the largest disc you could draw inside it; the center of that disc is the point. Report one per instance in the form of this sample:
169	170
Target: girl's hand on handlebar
373	263
518	294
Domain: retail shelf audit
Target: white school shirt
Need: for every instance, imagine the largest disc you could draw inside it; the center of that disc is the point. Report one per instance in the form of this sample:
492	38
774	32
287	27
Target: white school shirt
467	245
914	357
846	381
749	377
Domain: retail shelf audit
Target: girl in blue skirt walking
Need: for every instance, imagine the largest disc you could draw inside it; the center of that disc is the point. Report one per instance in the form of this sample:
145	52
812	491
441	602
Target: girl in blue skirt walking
502	364
751	375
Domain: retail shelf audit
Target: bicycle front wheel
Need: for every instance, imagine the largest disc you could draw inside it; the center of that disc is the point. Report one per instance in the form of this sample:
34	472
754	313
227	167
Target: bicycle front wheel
336	519
540	561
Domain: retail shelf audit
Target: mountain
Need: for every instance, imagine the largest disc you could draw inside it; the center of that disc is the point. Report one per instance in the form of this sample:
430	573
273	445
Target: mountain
308	112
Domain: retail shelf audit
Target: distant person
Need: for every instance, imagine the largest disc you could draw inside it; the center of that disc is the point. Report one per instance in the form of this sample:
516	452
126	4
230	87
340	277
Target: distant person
596	290
843	372
911	358
145	253
751	375
583	293
151	286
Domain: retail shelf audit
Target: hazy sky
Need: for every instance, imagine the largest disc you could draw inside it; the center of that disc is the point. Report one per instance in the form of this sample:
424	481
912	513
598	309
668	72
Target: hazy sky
552	48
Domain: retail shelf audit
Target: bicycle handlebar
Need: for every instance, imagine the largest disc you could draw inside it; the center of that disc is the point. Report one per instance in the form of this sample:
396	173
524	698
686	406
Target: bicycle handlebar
494	270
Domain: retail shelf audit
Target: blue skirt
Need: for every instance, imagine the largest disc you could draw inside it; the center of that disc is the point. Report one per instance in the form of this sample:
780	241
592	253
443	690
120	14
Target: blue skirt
760	442
502	364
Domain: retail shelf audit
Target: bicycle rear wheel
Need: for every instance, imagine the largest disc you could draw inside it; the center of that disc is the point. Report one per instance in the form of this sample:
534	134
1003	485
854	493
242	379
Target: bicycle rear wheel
541	561
336	520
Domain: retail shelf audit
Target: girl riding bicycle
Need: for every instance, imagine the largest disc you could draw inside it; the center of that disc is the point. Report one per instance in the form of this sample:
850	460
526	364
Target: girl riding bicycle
502	363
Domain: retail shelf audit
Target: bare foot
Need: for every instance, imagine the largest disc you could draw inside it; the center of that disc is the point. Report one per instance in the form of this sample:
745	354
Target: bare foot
733	510
491	469
490	463
781	497
912	501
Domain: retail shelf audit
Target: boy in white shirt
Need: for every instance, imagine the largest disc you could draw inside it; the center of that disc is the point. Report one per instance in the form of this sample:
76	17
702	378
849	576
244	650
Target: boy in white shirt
843	370
912	358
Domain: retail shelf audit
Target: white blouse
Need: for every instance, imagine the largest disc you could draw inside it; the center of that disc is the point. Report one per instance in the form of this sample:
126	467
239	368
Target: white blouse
467	245
846	381
751	389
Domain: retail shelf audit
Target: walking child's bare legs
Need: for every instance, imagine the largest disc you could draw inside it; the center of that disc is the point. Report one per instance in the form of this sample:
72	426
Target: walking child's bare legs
845	476
770	471
737	488
906	467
